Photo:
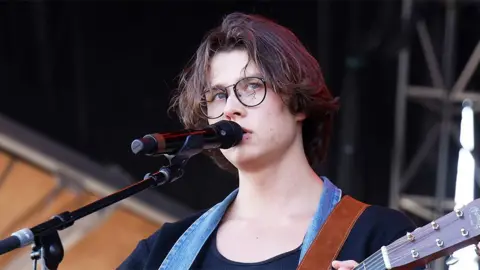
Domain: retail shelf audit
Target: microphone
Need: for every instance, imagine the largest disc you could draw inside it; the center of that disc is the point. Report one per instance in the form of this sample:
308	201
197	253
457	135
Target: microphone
223	134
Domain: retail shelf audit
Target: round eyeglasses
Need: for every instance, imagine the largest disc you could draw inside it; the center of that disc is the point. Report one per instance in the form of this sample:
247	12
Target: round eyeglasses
250	91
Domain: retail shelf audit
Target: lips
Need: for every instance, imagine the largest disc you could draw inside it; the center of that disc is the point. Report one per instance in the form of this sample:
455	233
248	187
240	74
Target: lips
245	130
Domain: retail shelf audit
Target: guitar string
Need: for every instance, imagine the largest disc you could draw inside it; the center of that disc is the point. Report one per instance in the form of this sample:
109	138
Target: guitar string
375	260
378	261
421	234
366	262
426	233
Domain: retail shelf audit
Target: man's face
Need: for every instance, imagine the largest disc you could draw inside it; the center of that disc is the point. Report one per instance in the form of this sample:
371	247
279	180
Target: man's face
270	125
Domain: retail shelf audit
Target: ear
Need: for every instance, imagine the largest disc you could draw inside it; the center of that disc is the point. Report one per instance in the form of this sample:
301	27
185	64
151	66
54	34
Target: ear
300	116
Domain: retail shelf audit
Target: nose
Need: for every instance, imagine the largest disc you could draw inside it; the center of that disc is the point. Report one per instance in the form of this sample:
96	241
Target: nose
233	108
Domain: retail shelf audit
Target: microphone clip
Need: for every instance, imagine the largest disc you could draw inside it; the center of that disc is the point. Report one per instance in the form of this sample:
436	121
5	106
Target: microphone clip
193	145
48	249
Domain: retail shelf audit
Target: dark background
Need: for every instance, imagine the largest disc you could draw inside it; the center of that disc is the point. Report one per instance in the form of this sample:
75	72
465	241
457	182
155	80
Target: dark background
96	75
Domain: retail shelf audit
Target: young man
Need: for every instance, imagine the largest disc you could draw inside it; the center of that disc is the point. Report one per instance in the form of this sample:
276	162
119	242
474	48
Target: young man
257	73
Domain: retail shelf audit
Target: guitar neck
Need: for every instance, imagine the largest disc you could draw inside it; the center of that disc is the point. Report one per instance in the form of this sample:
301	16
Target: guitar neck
374	262
441	237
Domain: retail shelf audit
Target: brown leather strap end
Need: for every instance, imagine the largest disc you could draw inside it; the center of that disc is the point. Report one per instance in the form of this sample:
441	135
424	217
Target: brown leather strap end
329	241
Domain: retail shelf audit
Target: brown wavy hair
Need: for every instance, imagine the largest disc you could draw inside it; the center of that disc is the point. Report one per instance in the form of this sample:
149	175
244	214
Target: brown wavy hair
285	64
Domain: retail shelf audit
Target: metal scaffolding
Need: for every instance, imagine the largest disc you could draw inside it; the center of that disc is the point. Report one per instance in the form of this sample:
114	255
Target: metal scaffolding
444	90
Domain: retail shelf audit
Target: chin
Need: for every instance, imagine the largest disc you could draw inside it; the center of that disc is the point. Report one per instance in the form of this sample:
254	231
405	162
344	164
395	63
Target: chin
243	158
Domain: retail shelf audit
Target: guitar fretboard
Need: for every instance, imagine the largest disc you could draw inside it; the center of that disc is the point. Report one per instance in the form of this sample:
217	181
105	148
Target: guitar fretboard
374	262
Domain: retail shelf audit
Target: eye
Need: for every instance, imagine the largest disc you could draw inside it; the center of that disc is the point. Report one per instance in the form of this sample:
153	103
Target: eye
219	96
253	86
215	94
249	85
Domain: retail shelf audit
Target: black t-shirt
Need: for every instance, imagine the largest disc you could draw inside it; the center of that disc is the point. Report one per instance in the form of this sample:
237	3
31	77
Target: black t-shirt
210	258
377	226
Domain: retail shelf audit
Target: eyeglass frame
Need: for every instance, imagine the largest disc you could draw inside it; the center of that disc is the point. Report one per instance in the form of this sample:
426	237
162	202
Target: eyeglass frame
236	94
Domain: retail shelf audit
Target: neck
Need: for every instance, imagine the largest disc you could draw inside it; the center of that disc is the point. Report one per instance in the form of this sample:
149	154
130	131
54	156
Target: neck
286	187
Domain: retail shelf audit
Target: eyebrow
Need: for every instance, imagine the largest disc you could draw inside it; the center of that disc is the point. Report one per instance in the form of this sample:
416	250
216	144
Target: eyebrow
220	85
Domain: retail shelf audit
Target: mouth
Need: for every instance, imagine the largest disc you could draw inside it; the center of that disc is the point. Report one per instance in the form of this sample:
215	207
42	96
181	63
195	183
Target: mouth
246	130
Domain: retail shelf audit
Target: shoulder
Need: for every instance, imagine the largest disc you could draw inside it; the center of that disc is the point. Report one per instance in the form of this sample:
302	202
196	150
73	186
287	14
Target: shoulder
384	220
178	227
150	252
377	226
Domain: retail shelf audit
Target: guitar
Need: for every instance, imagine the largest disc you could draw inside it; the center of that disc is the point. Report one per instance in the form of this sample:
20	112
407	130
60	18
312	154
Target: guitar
441	237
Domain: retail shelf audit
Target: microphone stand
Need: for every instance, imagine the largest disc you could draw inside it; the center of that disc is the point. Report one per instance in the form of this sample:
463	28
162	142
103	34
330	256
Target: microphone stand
45	238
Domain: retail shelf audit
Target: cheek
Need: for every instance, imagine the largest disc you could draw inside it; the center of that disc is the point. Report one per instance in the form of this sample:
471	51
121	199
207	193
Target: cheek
274	122
274	135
